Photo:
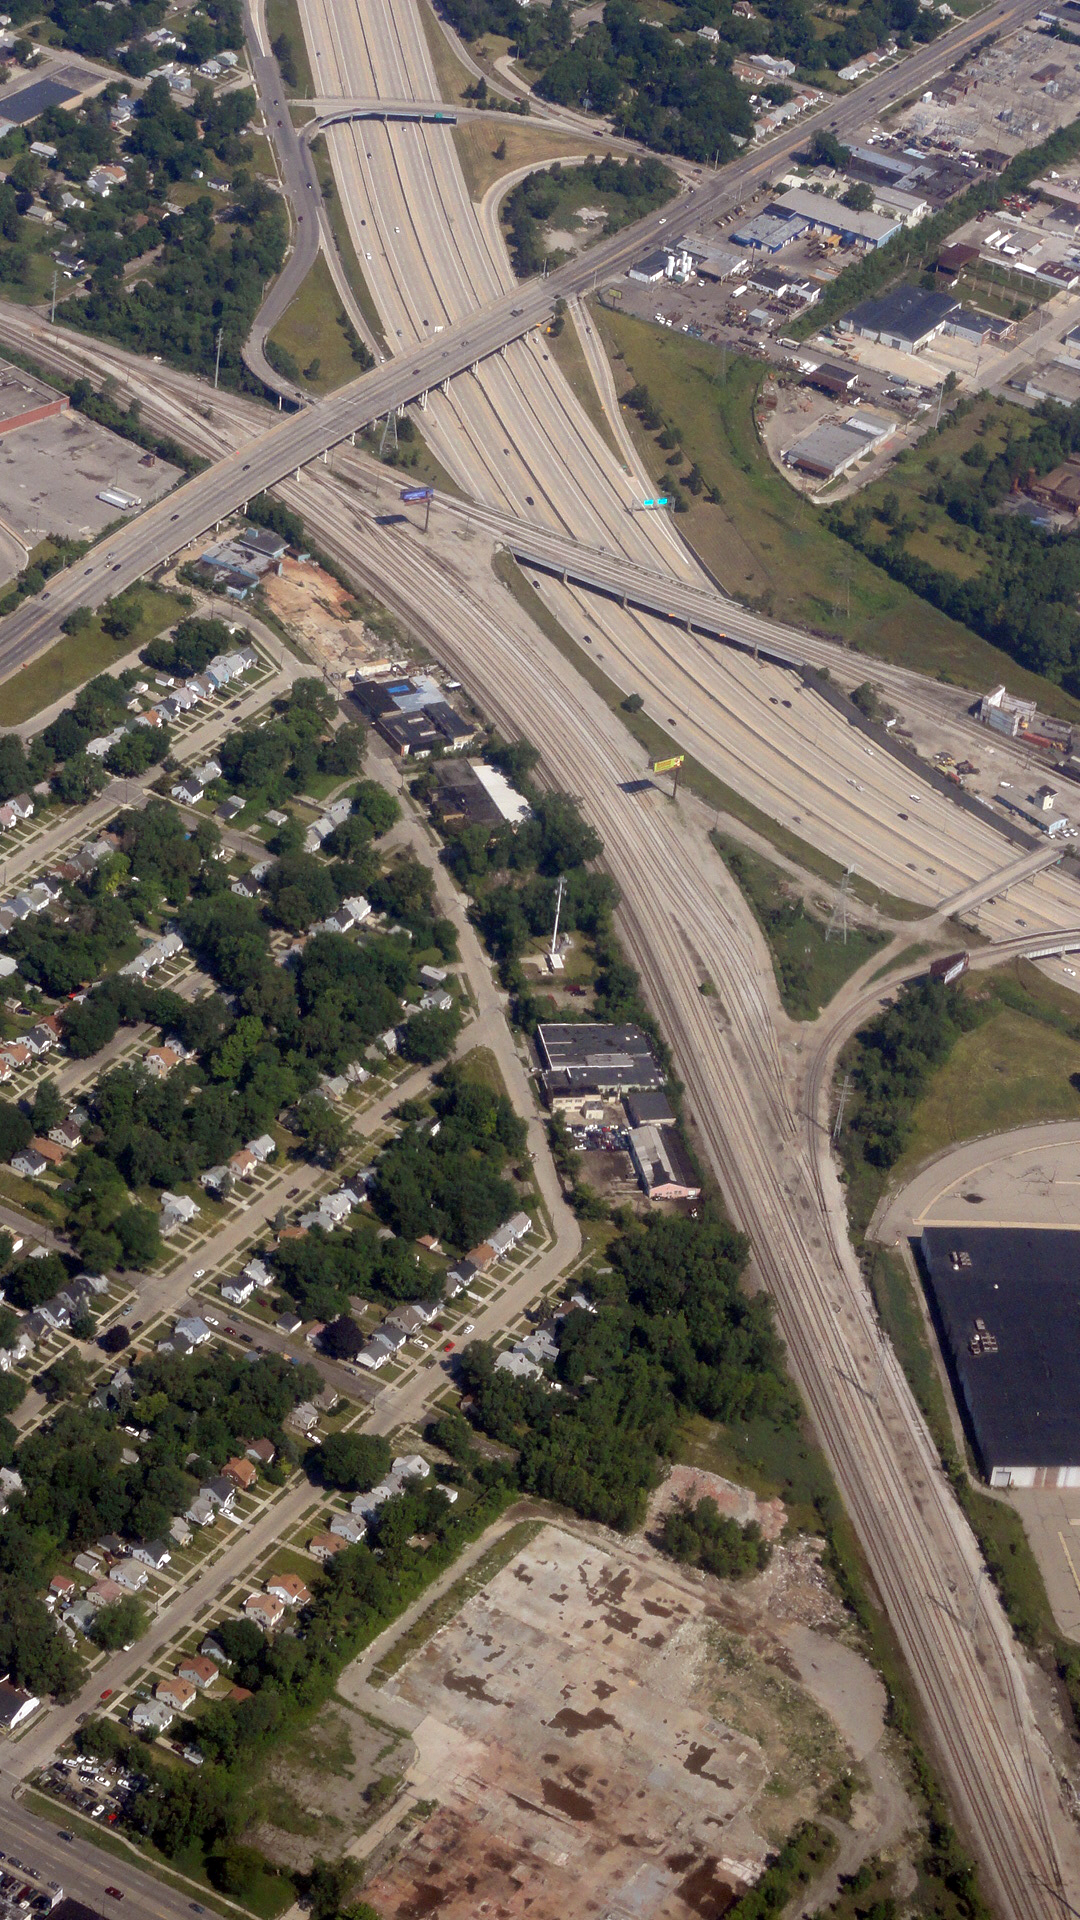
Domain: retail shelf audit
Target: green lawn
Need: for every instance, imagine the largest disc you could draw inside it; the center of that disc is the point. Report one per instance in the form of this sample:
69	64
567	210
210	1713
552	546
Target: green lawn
764	543
567	350
311	331
809	969
1010	1071
283	17
72	660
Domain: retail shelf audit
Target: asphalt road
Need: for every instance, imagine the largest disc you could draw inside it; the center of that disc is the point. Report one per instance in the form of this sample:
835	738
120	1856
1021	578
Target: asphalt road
507	316
82	1869
302	194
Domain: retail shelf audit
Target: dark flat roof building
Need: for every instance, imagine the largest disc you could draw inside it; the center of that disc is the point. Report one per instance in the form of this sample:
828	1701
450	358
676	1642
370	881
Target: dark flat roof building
649	1110
592	1058
25	104
905	317
1007	1305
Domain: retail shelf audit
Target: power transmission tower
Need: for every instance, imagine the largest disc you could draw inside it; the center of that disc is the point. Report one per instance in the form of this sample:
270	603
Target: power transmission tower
837	928
389	433
839	1121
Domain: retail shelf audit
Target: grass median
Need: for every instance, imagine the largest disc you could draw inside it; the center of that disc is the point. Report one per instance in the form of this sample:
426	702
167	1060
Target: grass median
659	744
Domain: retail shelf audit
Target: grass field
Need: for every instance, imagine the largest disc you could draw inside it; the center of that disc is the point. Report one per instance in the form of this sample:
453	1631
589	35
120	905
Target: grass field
525	146
1010	1071
569	354
765	544
451	75
659	744
283	17
72	660
809	968
310	330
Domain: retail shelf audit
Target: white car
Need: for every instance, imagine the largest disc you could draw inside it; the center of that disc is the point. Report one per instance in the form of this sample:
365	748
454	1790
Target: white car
198	1274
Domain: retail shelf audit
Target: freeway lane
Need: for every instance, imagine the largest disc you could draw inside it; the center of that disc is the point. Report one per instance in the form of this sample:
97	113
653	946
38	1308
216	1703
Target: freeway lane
683	920
187	513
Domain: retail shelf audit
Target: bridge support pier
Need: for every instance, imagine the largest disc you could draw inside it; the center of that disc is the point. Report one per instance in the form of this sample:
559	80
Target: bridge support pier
423	401
502	349
446	384
476	366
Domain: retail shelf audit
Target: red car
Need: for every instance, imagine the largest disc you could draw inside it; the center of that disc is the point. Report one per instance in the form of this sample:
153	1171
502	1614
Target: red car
114	1893
108	1694
448	1346
231	1331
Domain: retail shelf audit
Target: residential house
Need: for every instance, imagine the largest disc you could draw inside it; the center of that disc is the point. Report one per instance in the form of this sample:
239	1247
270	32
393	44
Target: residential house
177	1210
61	1587
67	1133
29	1163
15	1705
202	1511
289	1589
215	1179
105	1593
152	1553
197	1671
265	1609
242	1164
242	1473
175	1693
220	1492
263	1147
129	1574
160	1061
238	1290
193	1328
323	1546
346	1527
151	1716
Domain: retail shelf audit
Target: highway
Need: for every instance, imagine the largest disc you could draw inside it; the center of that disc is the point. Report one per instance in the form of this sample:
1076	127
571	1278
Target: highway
505	312
683	920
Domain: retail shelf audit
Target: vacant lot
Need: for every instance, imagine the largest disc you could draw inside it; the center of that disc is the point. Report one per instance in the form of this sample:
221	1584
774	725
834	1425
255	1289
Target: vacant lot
1009	1072
317	1795
605	1733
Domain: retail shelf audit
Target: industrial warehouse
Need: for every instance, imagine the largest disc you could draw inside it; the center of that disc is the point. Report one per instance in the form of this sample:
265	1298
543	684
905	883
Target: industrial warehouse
1006	1303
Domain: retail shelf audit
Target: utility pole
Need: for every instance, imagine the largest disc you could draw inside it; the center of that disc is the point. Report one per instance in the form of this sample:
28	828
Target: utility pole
52	315
560	889
217	357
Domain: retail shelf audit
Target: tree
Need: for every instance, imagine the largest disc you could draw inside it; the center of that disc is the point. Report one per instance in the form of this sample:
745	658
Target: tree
430	1035
114	1339
342	1339
48	1109
119	1624
322	1129
16	1131
859	198
353	1461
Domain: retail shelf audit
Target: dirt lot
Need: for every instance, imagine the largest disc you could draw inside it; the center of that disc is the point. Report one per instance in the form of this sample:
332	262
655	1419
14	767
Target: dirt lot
317	610
606	1733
